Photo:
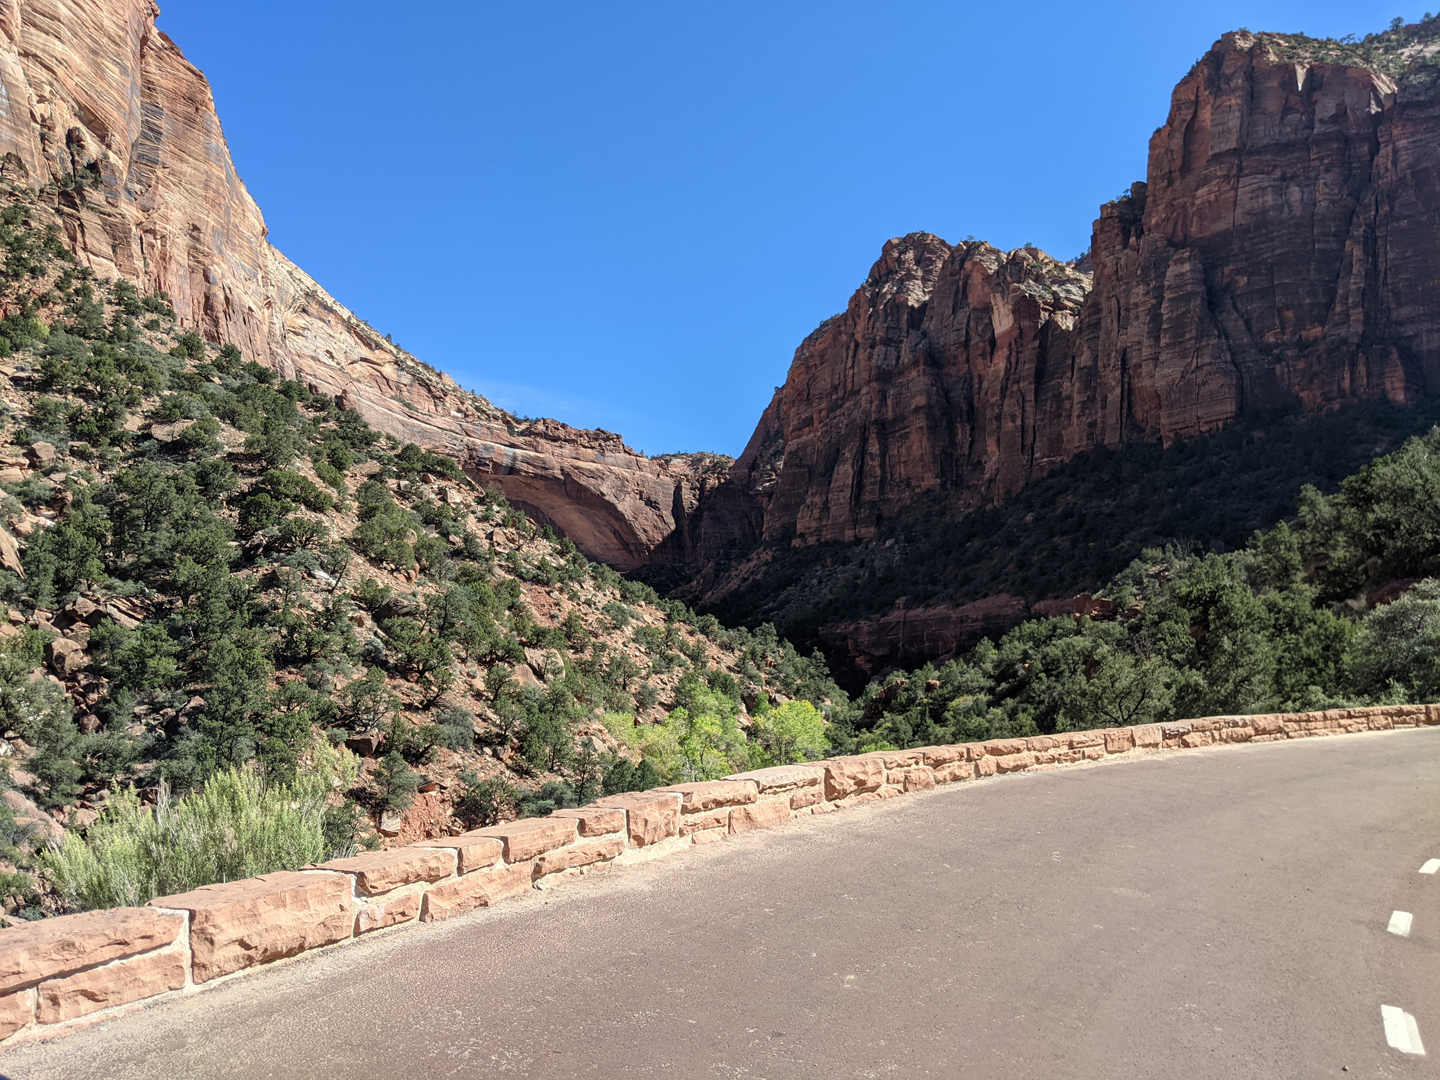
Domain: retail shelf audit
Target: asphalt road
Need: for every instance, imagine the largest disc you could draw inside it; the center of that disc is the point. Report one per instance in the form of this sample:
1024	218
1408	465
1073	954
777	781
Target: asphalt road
1217	913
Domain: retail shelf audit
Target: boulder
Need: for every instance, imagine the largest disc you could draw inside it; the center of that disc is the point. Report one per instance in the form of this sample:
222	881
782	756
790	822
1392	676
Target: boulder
29	815
55	948
365	743
40	454
544	661
65	657
526	677
239	924
168	433
10	553
391	822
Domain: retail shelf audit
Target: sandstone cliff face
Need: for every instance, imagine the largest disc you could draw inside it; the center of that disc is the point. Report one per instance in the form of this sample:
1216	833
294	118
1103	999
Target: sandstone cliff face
102	114
1283	253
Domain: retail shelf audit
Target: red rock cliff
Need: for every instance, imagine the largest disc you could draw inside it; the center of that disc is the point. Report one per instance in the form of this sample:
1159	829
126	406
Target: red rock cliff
1284	252
101	113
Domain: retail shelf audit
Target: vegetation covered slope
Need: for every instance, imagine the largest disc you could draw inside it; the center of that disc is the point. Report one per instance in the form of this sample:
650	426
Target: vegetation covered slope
227	581
1070	530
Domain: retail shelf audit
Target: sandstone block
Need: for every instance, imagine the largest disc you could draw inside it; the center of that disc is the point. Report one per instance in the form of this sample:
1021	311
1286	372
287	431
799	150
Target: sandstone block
1041	743
471	852
974	751
855	800
1237	734
119	983
1119	740
1005	747
706	795
1093	753
715	819
898	759
528	837
583	854
760	815
595	820
481	889
243	923
396	908
986	766
380	871
936	756
806	797
1079	740
845	776
41	454
1009	763
956	770
1148	736
16	1010
919	778
53	948
1197	738
650	816
707	836
783	778
1173	733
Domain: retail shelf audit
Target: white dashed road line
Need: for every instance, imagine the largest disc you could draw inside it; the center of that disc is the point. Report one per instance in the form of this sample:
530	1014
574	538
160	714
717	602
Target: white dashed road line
1400	923
1431	865
1400	1030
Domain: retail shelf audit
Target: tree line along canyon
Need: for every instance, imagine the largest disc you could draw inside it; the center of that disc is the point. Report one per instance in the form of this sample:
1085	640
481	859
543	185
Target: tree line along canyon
276	592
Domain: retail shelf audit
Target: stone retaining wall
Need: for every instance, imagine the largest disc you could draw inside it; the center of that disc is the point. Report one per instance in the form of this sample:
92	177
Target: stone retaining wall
58	972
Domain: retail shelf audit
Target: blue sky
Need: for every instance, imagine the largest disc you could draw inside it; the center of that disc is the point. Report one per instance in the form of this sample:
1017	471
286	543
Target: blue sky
628	214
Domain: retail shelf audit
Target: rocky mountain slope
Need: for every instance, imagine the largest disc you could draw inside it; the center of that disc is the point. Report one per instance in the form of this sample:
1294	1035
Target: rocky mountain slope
1281	256
103	115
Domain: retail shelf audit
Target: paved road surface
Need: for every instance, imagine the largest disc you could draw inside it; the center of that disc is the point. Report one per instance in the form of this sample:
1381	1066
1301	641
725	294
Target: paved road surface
1206	914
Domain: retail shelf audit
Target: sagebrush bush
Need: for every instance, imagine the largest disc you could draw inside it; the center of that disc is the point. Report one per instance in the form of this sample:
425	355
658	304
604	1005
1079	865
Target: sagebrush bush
234	827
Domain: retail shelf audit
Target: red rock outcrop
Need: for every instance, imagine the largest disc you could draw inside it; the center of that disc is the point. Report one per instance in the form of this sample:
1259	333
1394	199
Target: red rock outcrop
1283	253
102	114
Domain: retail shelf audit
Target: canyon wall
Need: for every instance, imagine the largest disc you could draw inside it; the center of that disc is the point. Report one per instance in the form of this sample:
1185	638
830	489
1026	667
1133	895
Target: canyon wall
103	116
1282	254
